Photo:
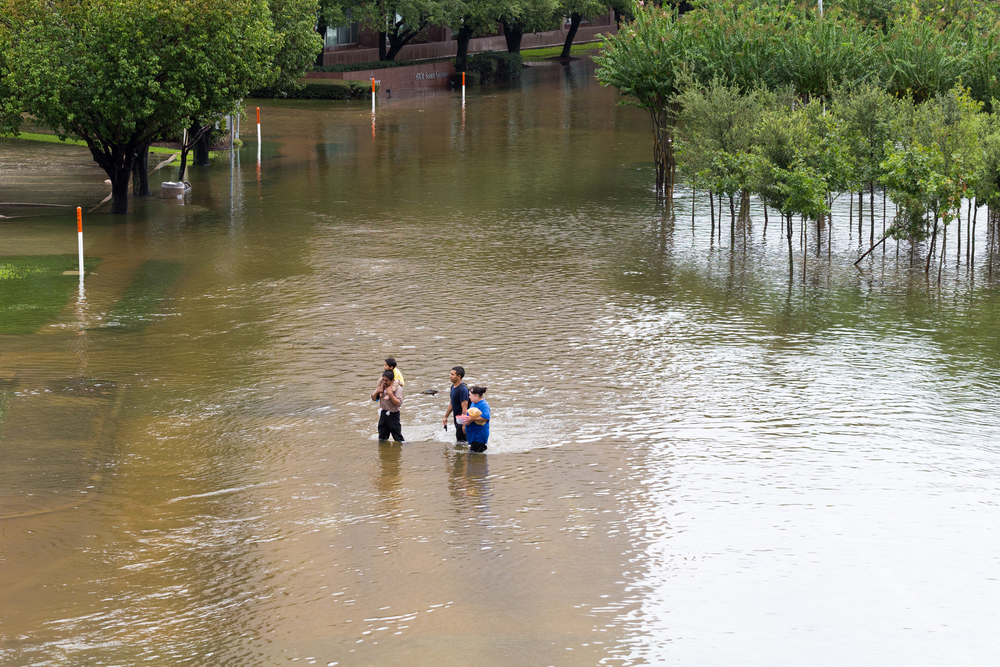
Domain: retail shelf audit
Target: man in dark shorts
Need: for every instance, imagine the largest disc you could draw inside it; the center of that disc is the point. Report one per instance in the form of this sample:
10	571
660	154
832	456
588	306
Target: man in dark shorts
389	395
459	402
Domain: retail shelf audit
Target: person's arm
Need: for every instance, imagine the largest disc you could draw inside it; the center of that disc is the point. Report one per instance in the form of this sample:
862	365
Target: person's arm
391	395
378	390
447	413
465	407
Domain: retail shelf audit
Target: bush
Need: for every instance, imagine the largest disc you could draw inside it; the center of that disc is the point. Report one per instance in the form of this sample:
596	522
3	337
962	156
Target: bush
334	90
496	66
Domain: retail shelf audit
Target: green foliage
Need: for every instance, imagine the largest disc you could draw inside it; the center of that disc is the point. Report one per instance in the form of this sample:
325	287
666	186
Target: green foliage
495	66
33	289
118	73
294	25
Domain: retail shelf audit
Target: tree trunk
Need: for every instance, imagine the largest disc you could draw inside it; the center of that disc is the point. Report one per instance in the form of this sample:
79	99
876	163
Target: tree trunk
711	207
202	145
732	223
663	152
462	42
512	33
930	251
574	25
140	172
116	161
861	213
871	206
791	251
381	45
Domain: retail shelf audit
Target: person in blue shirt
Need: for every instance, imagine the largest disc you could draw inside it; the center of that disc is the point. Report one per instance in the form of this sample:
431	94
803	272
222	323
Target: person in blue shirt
477	429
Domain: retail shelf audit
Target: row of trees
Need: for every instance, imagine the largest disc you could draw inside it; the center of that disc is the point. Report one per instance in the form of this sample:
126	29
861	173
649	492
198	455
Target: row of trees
399	21
797	156
916	49
121	73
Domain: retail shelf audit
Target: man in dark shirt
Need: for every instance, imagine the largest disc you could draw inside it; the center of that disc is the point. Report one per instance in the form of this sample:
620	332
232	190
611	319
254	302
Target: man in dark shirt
459	402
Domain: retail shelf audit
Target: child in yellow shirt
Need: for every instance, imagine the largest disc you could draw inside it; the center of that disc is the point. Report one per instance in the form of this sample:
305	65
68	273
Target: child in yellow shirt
390	365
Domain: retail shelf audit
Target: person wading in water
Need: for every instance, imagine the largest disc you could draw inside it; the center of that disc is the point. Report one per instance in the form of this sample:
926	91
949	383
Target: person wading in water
389	395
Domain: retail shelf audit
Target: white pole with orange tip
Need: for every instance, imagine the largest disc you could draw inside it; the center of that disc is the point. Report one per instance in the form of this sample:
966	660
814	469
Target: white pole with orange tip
463	88
79	237
373	95
258	136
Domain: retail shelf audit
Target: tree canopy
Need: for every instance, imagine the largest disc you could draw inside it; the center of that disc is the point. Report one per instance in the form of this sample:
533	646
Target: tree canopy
118	73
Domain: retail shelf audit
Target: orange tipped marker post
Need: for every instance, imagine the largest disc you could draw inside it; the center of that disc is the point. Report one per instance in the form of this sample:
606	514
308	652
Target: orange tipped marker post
463	87
373	95
79	237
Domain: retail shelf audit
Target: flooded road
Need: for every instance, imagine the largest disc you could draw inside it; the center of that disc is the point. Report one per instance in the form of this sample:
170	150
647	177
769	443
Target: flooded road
693	459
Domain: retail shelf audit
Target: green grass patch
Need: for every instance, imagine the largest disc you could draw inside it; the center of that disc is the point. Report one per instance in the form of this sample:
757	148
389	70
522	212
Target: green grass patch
53	139
554	51
143	297
33	289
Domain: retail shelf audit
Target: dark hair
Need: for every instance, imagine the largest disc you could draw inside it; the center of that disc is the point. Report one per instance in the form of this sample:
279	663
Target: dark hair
391	362
459	370
479	391
389	375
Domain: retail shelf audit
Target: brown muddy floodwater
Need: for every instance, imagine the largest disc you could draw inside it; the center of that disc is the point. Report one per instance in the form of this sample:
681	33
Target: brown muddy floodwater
694	459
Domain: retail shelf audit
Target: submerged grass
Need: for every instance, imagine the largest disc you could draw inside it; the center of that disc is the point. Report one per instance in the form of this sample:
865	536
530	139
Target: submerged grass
33	289
142	298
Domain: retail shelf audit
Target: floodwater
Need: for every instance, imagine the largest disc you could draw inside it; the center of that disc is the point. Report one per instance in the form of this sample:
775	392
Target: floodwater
695	457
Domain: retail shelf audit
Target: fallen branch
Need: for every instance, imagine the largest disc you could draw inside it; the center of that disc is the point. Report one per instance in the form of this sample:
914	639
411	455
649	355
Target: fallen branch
173	156
869	251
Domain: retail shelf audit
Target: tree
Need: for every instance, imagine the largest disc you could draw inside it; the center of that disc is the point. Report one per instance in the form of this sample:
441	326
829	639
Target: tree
644	61
294	24
118	73
521	16
577	10
469	18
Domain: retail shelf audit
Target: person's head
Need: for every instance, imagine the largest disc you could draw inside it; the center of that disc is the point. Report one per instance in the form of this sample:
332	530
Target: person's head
457	373
387	376
389	364
477	393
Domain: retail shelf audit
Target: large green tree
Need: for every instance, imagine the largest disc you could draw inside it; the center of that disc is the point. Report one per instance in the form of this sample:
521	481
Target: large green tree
117	73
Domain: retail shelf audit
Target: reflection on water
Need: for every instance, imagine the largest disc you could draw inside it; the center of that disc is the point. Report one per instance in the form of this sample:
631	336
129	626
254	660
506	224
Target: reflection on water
696	457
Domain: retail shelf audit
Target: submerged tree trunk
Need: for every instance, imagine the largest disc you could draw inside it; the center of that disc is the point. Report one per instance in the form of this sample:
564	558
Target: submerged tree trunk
732	222
871	205
791	252
663	151
512	33
203	144
116	161
711	206
574	25
194	136
140	172
930	251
